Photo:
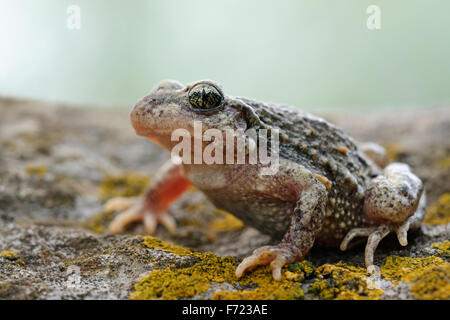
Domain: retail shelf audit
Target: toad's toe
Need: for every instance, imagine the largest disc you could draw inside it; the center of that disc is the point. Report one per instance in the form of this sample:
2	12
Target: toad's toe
277	257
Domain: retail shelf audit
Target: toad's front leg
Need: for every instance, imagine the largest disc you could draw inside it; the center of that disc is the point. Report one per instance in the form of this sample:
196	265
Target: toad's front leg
152	207
306	222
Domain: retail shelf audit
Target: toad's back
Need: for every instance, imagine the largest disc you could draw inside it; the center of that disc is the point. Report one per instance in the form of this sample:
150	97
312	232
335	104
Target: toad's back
326	151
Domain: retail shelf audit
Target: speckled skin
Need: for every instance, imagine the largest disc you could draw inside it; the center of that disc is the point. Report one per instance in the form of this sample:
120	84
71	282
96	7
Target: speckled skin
328	188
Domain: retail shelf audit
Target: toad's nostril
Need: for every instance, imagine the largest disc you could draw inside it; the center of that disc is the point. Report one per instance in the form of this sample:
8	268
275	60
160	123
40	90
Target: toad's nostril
137	113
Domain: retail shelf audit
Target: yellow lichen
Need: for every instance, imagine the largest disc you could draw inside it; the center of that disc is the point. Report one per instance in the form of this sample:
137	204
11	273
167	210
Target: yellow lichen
305	268
192	218
443	247
126	185
439	212
405	268
99	222
172	283
192	189
344	282
43	142
36	170
392	151
10	255
156	243
194	207
429	276
292	276
433	283
444	163
169	284
273	291
226	222
266	288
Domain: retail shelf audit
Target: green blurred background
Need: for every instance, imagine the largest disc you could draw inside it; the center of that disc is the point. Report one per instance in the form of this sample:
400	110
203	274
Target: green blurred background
315	54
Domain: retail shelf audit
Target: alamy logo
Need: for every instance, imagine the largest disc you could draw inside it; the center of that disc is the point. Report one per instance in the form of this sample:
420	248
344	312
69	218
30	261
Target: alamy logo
73	277
73	21
252	146
374	19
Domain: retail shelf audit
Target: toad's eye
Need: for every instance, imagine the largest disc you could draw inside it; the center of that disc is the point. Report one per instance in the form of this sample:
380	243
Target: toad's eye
205	97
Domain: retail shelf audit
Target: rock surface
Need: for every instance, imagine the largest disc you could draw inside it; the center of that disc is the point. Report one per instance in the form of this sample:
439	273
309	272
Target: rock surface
59	164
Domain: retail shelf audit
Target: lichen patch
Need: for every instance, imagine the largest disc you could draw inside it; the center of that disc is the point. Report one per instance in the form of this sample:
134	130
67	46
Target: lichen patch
344	282
439	212
125	185
429	277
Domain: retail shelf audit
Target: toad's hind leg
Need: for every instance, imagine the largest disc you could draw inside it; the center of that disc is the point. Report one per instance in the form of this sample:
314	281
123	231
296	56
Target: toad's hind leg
151	208
374	152
394	202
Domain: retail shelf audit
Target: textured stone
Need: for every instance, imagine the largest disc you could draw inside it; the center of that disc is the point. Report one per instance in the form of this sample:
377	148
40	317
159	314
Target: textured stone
55	160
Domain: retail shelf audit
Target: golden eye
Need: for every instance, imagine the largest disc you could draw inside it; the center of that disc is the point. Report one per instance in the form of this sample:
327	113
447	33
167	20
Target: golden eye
205	97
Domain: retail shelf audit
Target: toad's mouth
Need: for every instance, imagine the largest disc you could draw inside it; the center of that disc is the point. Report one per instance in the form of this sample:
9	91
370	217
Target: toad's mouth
156	134
156	141
146	124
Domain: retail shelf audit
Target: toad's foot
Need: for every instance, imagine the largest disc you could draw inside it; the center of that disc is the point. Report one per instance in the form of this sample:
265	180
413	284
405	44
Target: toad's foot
151	208
276	256
134	210
394	202
375	235
306	222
